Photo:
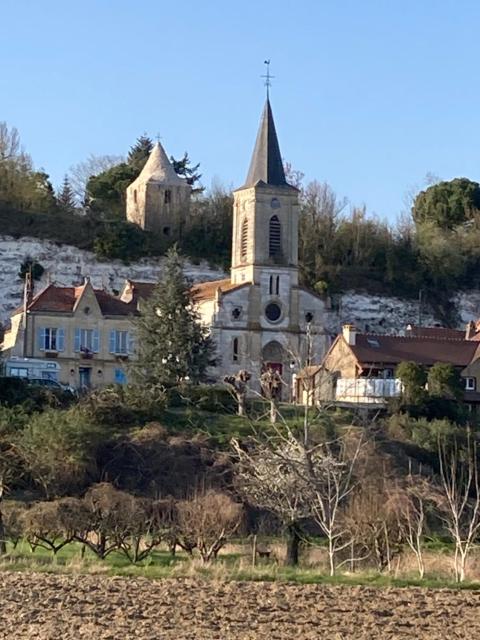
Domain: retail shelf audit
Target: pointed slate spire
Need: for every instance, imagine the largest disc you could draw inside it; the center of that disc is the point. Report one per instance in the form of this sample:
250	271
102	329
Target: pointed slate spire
158	168
266	165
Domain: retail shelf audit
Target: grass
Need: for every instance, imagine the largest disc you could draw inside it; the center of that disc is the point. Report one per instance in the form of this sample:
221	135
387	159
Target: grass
229	567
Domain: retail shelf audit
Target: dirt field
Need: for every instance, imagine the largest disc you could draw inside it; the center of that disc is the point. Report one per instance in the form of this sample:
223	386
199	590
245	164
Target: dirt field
53	607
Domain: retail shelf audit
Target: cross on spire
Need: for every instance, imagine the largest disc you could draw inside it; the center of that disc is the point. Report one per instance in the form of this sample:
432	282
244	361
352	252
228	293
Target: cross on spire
267	77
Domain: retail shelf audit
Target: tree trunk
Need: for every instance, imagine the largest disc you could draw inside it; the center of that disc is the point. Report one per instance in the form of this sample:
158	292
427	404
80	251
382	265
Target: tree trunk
293	546
241	404
273	412
3	540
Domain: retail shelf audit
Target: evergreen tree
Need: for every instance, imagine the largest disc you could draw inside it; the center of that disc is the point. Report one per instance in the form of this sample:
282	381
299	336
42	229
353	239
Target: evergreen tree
172	345
66	198
182	168
138	154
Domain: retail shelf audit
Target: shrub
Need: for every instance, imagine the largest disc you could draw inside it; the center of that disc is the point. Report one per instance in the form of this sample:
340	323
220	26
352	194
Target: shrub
210	520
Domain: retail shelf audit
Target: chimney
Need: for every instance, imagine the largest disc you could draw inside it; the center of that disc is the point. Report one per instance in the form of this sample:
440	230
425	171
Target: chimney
128	292
349	333
470	330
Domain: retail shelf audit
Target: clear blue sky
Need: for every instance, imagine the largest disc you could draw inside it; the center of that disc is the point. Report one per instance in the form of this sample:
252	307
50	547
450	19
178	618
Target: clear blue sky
369	96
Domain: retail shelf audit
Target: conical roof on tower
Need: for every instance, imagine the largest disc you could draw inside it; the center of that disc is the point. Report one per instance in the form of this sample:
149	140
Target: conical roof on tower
266	165
158	168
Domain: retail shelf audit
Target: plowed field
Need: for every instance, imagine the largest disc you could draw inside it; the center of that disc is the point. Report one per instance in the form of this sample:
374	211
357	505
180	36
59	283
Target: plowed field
73	607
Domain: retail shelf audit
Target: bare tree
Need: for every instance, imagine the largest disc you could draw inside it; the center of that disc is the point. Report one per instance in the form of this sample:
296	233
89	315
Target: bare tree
271	383
330	477
239	387
49	524
411	502
461	491
266	476
80	173
210	519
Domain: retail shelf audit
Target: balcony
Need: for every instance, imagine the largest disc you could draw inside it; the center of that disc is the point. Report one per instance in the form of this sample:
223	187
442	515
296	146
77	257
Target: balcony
367	390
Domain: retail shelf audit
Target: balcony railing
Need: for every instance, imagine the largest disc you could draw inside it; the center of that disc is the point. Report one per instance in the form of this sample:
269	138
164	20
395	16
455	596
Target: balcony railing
367	390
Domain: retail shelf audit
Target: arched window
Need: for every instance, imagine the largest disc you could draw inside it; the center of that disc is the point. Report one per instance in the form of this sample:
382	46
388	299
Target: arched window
135	196
277	285
274	237
244	239
270	289
235	350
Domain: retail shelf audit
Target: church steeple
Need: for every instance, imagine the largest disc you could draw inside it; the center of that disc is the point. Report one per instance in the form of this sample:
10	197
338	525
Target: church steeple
266	165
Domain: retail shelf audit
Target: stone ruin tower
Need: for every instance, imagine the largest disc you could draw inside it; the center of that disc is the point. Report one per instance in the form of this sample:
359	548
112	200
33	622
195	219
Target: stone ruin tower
159	200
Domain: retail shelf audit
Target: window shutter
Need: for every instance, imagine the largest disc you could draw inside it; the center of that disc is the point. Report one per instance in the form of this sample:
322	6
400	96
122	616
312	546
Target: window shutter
78	339
112	341
60	339
95	341
130	342
41	338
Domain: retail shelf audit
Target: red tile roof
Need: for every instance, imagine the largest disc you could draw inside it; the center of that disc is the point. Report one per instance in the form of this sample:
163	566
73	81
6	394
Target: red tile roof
373	349
436	332
63	299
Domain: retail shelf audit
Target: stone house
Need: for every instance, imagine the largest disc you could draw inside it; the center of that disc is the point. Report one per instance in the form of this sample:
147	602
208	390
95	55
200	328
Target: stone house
359	368
87	332
159	200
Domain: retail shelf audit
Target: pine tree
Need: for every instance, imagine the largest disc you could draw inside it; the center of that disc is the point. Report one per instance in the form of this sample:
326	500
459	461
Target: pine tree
182	168
66	198
138	154
172	345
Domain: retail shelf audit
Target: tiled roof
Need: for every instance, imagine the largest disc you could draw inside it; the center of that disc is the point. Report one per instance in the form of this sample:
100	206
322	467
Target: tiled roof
377	349
63	299
142	289
436	332
208	290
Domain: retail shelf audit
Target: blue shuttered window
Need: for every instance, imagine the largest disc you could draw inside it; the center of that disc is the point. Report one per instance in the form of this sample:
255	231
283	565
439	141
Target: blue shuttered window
95	341
112	341
61	339
78	339
41	338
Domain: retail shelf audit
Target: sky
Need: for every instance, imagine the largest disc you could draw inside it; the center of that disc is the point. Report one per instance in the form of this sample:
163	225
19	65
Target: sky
368	96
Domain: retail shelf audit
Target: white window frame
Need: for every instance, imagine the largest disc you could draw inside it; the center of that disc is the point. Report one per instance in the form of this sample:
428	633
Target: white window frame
470	383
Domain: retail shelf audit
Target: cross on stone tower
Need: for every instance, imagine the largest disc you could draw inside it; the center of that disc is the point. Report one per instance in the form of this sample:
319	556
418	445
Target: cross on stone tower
268	77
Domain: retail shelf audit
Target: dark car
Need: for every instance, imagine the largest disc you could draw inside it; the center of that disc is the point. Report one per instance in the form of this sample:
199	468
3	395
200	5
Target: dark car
53	385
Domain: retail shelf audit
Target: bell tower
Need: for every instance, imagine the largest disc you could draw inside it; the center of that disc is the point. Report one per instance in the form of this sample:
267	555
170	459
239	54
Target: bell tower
265	215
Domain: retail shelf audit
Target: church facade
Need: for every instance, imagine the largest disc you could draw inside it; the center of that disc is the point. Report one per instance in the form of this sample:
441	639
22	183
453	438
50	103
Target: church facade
261	317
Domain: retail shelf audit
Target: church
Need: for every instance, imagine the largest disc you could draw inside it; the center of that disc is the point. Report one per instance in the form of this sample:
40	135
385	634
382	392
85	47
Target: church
261	317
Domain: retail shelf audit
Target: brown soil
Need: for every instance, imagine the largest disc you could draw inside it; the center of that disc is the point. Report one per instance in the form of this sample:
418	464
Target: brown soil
61	607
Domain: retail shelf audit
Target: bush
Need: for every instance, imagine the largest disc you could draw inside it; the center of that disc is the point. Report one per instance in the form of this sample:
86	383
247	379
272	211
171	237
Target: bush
213	398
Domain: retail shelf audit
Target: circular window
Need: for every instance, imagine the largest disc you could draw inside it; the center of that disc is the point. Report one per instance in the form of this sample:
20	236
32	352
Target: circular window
273	312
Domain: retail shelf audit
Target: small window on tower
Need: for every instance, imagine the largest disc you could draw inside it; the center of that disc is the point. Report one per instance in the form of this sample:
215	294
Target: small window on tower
235	350
168	196
135	196
166	231
277	285
270	288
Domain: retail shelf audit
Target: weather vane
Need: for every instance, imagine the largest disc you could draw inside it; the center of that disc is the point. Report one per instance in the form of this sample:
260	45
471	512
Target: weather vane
268	77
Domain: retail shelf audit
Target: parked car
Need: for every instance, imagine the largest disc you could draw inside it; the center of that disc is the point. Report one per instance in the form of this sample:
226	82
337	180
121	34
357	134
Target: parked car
50	384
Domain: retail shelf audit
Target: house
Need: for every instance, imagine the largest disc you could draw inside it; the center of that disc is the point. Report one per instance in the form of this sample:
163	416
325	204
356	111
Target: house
87	334
359	368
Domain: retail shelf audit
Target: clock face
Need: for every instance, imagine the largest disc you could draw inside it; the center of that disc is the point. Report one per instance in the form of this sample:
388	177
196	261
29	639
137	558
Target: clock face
275	203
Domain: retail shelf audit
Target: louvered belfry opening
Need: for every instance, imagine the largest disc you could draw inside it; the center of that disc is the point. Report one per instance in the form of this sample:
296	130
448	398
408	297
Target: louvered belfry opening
244	239
275	237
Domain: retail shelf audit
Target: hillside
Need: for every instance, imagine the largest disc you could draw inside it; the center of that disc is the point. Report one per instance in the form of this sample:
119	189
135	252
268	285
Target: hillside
68	264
